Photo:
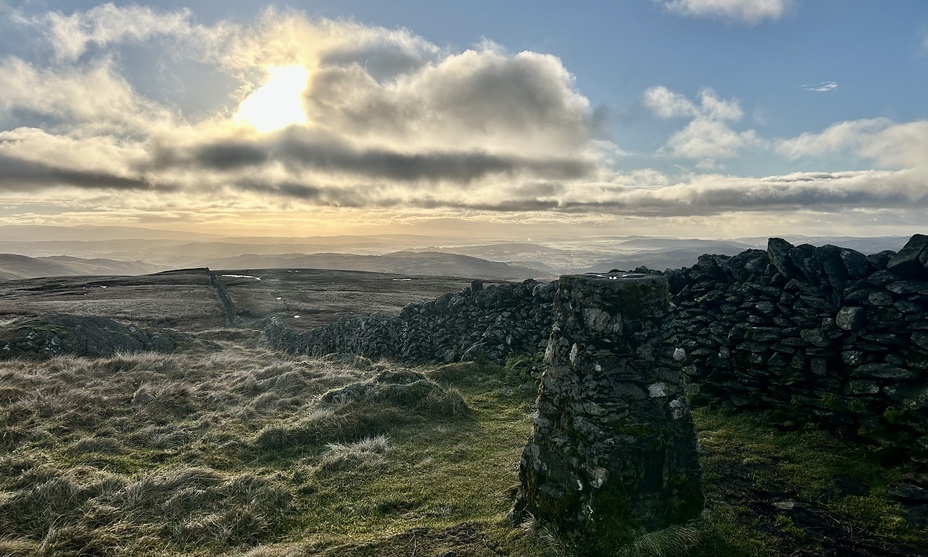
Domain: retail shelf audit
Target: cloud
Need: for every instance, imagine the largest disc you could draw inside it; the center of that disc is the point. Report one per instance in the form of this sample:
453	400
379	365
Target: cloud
395	126
391	117
471	100
708	136
666	104
94	96
302	150
821	87
750	12
23	175
101	26
889	144
101	154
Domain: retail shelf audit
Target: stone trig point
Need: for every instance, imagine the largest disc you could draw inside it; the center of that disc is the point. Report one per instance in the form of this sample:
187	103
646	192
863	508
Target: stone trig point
612	452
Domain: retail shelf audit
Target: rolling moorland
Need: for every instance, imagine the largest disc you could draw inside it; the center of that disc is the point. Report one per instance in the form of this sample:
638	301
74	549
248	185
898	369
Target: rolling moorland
181	432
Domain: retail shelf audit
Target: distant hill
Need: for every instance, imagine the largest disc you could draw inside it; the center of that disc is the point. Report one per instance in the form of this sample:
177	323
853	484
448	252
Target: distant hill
403	262
542	258
13	267
680	244
660	260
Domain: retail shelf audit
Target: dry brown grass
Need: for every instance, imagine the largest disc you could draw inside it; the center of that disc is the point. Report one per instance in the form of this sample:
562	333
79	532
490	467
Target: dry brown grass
191	453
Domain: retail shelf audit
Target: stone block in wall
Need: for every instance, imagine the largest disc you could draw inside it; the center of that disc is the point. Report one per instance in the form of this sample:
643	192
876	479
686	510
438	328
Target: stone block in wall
879	260
881	278
909	308
912	260
884	371
778	251
851	318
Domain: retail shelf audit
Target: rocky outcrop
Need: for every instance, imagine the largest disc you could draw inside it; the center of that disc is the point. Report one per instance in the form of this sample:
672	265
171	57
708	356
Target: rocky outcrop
57	334
612	452
492	323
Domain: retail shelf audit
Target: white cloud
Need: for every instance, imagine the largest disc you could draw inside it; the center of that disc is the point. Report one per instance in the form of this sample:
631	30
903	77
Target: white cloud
889	144
283	38
750	12
708	136
704	138
821	87
473	100
70	35
714	108
95	97
664	103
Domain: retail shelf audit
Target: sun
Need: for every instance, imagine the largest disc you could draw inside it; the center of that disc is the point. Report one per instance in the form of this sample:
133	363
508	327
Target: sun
276	104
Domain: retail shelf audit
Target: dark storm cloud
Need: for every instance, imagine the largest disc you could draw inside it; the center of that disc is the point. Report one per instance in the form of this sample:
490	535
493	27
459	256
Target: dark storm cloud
20	175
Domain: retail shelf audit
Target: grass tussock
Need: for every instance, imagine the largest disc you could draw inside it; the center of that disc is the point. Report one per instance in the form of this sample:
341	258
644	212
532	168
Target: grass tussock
369	452
674	541
234	451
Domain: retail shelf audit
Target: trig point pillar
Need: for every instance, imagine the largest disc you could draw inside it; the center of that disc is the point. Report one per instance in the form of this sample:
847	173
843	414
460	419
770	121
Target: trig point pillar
612	451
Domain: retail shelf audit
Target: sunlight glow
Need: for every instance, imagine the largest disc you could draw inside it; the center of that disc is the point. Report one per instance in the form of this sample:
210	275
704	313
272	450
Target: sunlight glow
278	103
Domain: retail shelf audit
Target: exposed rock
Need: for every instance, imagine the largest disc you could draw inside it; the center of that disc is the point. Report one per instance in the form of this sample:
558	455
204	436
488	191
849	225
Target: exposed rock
880	298
58	333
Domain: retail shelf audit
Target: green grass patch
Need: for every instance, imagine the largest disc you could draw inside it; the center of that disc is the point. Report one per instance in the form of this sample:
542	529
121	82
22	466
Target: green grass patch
775	493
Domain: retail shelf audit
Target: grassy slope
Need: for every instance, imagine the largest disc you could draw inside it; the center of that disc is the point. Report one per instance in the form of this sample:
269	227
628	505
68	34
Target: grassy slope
240	452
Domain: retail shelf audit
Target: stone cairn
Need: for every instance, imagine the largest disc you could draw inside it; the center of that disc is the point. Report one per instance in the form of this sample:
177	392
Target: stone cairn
612	452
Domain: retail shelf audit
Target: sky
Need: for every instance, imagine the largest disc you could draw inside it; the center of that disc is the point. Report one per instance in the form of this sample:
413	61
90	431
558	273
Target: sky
480	119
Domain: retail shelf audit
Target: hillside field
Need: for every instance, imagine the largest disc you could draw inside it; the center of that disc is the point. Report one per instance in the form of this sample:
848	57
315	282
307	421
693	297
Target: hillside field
229	448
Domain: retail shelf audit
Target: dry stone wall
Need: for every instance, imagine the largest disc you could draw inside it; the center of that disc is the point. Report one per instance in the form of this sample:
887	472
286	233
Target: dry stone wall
807	334
491	322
